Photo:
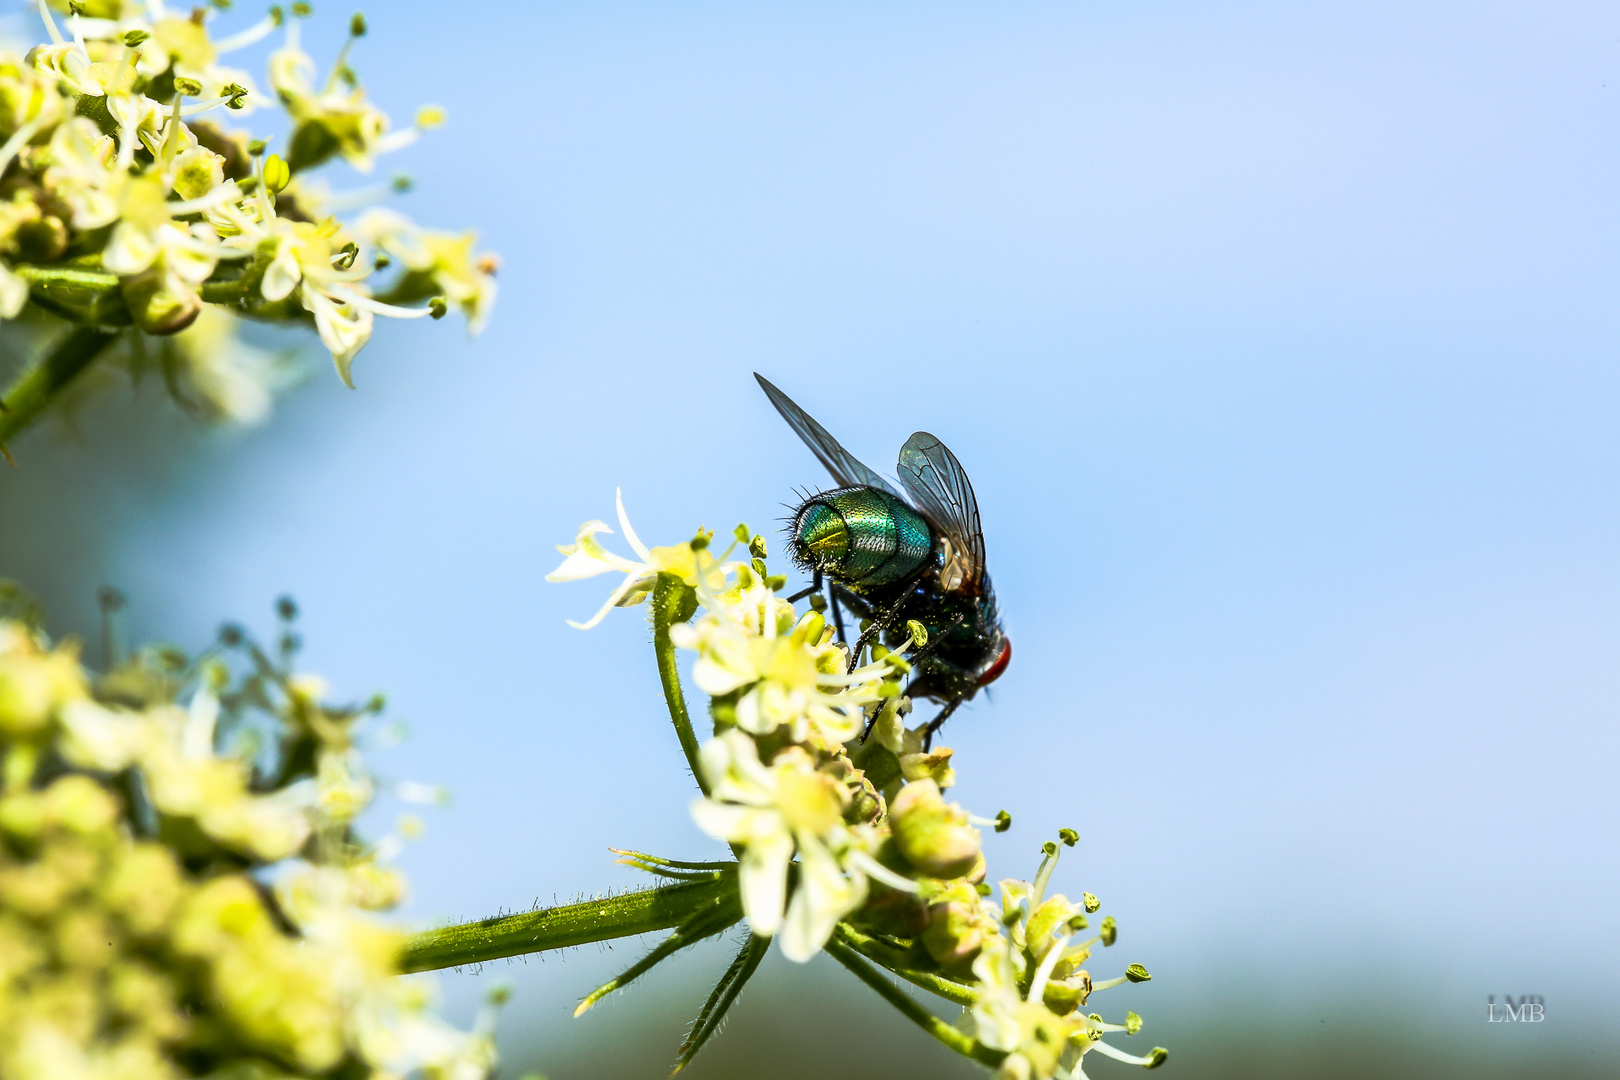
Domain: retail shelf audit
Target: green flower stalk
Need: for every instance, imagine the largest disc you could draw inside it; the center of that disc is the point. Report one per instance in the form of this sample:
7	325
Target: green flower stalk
131	210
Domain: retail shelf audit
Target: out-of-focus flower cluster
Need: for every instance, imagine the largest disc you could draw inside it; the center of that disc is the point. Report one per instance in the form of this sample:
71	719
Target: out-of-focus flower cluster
182	889
837	814
127	200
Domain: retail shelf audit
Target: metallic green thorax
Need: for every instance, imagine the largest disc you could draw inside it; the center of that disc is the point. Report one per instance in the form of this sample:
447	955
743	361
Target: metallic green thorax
862	536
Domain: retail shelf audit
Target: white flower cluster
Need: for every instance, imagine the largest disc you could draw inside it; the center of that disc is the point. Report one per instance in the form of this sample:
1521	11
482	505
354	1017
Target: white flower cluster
121	206
836	812
138	936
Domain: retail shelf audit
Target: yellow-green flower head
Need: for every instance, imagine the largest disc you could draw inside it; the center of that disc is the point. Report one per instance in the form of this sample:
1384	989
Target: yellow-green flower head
465	278
119	961
787	675
330	119
304	263
772	811
1031	987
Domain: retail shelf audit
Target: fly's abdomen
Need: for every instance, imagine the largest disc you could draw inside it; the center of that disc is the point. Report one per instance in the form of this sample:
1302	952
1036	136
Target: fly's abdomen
862	536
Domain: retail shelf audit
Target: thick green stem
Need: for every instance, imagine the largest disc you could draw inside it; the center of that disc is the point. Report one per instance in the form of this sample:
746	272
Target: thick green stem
561	927
37	387
958	1041
670	596
98	281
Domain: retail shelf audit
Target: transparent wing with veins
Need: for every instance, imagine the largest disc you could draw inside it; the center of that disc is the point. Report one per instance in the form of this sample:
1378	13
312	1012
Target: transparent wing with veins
840	462
939	487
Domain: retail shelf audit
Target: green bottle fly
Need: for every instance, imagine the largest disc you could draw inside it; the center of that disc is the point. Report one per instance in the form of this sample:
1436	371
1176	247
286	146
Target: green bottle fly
898	557
862	536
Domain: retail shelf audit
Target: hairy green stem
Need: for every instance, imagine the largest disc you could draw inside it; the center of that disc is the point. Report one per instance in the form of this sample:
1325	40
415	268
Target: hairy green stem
958	1041
611	917
38	386
715	919
99	281
725	992
891	958
670	596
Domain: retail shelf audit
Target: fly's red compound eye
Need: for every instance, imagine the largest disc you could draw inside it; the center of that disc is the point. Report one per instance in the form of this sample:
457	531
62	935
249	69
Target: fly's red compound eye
993	672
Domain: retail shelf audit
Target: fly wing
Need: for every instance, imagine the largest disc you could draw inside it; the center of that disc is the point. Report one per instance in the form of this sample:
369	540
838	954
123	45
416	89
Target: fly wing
840	462
939	488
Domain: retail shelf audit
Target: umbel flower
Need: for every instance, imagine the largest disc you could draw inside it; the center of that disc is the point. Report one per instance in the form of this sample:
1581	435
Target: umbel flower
129	206
178	900
836	816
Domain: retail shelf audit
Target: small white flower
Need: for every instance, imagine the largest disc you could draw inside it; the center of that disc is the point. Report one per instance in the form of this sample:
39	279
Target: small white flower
587	558
771	812
306	263
465	280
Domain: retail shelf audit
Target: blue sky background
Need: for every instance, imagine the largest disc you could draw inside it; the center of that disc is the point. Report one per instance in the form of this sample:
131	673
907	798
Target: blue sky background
1279	341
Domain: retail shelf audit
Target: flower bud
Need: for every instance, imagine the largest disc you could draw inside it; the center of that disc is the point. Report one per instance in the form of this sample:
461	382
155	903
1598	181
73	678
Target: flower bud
809	628
277	174
933	837
160	302
935	766
1063	996
956	928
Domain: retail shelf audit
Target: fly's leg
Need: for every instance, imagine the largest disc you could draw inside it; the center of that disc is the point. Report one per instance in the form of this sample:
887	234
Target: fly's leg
938	722
874	628
856	605
814	587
